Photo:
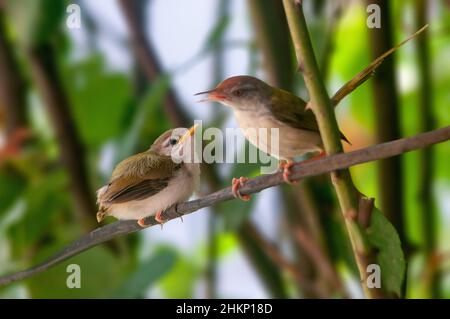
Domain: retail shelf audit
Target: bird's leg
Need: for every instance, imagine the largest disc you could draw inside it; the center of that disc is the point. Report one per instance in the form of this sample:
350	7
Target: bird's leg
235	185
286	166
159	219
316	157
141	222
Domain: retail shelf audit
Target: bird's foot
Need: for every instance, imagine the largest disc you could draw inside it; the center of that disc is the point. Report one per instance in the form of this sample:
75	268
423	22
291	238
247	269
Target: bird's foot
159	219
141	222
286	168
235	185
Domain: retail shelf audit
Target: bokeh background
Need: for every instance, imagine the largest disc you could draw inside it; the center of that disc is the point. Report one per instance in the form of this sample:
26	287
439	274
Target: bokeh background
76	101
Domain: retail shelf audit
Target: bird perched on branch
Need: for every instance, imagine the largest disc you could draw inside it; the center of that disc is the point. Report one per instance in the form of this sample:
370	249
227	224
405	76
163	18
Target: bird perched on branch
147	183
257	105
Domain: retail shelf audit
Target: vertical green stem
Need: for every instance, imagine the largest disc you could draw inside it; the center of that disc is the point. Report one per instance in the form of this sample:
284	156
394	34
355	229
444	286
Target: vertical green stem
321	105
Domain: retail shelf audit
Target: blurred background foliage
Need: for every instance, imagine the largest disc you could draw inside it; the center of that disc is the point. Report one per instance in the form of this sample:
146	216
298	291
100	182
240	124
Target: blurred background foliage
74	102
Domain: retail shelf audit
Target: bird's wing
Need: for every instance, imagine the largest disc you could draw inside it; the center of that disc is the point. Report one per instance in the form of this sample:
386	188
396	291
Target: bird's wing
139	177
291	110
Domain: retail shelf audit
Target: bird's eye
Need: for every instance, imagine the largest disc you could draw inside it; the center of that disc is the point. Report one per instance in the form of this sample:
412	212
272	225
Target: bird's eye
172	141
237	93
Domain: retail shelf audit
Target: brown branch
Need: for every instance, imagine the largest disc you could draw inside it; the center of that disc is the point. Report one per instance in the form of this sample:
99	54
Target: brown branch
48	82
300	171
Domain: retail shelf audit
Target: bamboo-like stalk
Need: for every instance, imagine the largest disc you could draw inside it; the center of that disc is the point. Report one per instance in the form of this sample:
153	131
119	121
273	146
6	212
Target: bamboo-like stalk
425	164
322	107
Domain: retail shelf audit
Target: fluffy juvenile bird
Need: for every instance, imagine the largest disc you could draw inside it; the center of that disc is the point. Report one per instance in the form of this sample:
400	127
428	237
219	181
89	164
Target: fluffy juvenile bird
147	183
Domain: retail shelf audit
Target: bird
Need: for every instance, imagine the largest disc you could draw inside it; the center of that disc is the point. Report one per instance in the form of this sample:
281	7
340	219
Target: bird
257	105
147	183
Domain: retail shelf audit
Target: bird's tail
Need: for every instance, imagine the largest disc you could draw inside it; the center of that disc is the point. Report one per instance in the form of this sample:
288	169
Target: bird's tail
365	74
101	214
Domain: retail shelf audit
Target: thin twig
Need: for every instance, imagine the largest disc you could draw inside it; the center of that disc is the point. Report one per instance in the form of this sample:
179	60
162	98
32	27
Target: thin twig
299	171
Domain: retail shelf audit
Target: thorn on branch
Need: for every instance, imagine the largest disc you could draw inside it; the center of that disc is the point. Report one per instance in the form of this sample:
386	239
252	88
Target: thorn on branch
366	206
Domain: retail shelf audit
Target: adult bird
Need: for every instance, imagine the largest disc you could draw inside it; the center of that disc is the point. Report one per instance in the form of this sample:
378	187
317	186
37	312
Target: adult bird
257	105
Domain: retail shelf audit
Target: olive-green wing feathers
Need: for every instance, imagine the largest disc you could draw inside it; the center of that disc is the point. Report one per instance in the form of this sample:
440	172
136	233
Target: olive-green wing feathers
138	177
291	110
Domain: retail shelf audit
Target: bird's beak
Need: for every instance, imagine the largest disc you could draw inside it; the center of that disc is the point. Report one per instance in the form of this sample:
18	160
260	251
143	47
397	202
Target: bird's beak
189	133
213	95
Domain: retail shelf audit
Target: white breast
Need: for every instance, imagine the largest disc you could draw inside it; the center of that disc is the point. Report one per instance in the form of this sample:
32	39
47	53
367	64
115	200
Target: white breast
291	142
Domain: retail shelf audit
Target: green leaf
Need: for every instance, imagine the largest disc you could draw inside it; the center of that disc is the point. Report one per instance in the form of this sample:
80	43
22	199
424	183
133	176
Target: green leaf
179	283
383	236
43	199
99	100
147	274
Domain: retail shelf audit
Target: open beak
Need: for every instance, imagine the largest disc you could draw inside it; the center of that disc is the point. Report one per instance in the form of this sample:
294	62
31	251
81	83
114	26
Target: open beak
189	133
213	95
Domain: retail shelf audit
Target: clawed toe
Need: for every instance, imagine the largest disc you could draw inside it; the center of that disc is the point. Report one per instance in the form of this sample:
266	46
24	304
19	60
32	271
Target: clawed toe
235	185
286	168
159	219
141	222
